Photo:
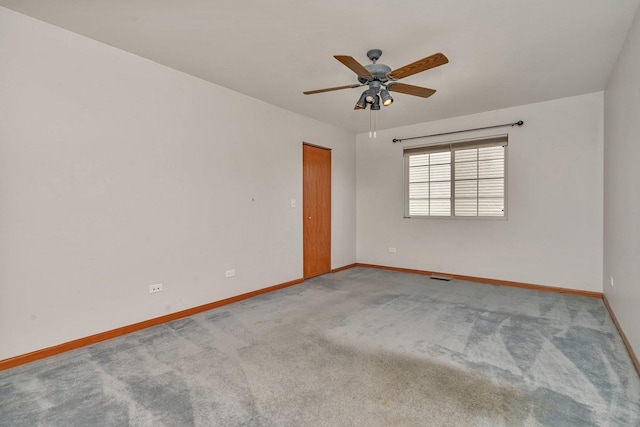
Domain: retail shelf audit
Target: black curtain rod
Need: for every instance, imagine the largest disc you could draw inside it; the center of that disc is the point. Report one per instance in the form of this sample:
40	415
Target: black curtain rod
519	123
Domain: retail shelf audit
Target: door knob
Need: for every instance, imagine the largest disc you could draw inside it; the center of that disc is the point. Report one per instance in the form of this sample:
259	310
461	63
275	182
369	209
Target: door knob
309	218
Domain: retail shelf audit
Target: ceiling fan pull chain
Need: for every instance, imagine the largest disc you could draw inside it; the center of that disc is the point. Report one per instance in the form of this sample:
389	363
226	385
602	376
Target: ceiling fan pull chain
373	123
370	124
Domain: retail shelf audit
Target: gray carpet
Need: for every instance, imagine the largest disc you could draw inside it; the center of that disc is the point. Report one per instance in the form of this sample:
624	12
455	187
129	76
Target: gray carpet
362	347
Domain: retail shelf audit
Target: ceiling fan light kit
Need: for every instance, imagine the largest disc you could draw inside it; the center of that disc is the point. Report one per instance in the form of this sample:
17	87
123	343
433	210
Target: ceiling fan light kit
386	97
381	80
362	102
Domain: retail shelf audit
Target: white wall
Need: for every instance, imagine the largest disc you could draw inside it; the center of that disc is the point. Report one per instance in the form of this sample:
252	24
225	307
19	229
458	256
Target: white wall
117	173
553	235
621	180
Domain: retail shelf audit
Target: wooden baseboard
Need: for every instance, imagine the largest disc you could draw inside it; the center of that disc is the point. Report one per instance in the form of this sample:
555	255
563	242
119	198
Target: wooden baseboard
345	267
486	280
626	342
83	342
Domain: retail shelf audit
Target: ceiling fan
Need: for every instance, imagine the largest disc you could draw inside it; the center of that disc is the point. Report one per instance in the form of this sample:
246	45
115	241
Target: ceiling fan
381	79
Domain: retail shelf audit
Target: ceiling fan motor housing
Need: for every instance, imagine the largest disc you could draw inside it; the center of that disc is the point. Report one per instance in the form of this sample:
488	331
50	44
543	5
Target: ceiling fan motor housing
379	72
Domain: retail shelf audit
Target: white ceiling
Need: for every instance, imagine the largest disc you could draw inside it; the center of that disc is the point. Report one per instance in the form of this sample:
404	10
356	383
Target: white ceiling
502	53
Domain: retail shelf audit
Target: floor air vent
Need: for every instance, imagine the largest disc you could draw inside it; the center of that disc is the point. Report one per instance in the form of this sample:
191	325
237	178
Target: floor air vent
443	278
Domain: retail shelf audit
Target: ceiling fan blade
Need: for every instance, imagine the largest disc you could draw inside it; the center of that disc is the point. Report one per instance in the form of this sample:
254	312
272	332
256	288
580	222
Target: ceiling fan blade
411	89
353	65
329	89
419	66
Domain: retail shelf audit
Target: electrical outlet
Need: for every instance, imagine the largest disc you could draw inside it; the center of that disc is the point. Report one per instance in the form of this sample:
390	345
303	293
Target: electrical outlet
392	249
229	273
611	280
155	288
293	203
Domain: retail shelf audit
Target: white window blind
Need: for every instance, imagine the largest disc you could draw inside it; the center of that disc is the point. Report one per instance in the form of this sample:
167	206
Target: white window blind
461	179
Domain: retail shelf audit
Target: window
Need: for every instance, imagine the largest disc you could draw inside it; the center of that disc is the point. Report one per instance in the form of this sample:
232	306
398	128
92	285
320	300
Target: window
460	180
